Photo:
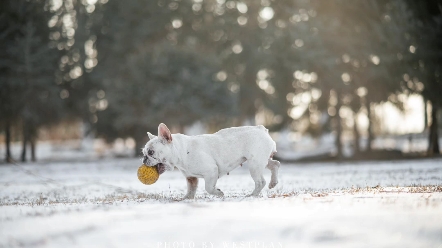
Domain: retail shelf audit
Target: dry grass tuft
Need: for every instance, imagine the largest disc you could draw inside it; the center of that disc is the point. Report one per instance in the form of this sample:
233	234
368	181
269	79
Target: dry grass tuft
170	197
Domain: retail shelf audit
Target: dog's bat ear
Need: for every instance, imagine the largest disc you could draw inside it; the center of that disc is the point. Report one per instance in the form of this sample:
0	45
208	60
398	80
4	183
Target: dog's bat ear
151	136
164	132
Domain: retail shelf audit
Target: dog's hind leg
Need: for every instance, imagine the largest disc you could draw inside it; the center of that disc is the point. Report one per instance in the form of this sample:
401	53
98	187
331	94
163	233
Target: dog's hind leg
273	166
256	171
192	185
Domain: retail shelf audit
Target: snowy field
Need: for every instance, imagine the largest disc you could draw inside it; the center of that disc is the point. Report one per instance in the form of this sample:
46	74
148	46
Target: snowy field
102	204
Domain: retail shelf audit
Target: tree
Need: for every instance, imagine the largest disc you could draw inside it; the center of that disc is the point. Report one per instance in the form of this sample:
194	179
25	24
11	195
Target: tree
346	55
30	65
423	33
148	79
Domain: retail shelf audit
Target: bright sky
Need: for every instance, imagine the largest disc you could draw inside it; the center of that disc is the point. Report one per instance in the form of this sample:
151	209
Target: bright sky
411	121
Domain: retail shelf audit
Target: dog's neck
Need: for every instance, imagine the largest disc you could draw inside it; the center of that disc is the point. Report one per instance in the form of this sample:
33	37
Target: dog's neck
177	146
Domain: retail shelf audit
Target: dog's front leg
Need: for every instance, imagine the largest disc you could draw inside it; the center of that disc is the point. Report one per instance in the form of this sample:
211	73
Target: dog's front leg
210	181
192	185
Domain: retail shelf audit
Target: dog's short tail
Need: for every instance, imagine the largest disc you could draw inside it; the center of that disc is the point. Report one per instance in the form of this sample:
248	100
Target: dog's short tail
263	128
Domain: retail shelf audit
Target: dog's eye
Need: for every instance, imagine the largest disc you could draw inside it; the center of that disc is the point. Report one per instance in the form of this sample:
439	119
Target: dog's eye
150	152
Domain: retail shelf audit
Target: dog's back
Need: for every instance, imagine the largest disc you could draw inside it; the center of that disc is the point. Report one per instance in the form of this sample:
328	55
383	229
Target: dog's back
247	135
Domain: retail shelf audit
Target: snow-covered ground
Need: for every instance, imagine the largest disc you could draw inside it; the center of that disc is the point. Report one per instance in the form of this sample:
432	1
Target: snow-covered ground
102	204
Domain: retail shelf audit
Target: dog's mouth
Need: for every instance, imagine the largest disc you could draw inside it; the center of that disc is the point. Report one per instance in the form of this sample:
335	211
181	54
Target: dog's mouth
161	168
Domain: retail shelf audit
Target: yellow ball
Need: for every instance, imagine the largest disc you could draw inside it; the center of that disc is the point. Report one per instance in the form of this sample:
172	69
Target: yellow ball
148	174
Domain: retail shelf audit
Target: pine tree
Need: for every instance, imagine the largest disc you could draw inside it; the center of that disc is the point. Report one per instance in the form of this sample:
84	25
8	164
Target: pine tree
424	55
149	79
31	95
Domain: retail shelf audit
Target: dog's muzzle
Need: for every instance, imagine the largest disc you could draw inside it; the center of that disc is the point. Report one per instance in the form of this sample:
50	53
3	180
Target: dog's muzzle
161	168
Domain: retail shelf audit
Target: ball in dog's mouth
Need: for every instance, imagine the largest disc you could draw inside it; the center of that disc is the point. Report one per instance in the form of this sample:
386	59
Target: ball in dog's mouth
148	174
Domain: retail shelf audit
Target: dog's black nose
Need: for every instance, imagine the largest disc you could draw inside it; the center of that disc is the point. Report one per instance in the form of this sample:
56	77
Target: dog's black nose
144	159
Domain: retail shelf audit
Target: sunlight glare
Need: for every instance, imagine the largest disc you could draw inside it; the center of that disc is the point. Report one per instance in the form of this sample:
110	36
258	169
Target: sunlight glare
177	23
345	77
375	59
267	13
242	7
221	75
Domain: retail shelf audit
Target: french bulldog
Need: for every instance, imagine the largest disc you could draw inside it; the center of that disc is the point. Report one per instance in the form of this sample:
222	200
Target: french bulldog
211	156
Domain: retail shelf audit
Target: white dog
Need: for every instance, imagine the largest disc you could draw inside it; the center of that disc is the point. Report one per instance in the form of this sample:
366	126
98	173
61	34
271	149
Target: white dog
211	156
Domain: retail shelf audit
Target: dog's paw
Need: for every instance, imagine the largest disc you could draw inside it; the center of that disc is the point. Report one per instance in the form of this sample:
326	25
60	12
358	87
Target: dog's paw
253	195
272	184
219	193
188	197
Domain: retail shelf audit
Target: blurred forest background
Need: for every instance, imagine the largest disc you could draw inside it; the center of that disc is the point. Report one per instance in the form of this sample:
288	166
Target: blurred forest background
113	70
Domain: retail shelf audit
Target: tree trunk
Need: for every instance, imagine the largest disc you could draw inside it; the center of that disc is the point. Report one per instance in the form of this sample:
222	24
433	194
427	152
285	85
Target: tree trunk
357	148
27	72
138	146
425	114
370	126
338	124
32	141
8	140
433	139
25	142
